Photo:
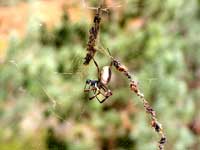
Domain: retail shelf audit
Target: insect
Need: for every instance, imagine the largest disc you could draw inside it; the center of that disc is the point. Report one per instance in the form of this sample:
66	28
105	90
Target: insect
99	87
93	33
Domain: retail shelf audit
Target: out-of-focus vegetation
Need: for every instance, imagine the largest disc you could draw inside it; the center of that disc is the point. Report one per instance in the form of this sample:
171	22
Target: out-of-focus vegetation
42	103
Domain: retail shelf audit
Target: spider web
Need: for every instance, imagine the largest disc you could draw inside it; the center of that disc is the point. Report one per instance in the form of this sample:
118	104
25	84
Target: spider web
53	102
57	103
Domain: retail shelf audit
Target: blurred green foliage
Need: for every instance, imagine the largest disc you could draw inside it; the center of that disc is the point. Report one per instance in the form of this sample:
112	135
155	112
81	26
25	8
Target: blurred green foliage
42	103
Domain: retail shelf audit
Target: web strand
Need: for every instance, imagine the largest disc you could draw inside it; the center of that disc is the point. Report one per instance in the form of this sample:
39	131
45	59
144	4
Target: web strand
54	103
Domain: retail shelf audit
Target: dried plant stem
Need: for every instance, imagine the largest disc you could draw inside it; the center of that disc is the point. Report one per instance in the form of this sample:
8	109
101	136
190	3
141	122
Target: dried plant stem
93	34
149	110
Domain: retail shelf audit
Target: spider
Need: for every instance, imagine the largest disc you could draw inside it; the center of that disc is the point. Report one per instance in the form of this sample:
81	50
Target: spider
99	86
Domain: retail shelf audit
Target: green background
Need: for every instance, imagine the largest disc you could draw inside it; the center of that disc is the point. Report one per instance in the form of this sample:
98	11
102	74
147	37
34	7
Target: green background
42	103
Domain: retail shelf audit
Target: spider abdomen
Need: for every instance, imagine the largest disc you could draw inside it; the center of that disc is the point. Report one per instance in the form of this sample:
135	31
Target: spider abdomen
105	75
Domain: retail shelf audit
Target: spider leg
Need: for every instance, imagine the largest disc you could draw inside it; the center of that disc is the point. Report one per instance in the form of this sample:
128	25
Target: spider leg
87	89
98	70
95	89
105	89
103	100
94	95
90	89
107	93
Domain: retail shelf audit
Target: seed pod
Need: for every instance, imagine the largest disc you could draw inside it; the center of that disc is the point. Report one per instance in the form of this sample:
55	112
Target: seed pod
157	126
